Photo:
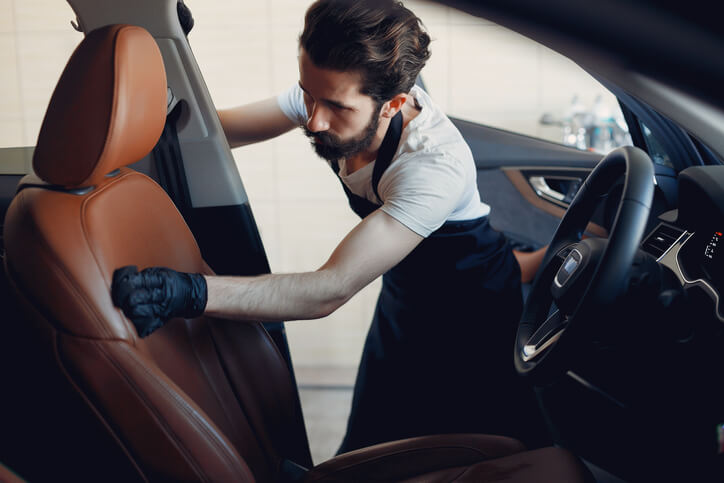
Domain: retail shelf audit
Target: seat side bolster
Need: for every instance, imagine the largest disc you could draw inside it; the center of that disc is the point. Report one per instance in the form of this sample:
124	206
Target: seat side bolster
151	414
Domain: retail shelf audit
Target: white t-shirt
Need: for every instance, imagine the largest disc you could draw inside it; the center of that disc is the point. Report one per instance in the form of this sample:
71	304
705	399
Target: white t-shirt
431	178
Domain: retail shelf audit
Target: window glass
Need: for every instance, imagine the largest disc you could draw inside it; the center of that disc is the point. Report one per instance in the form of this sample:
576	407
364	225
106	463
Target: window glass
655	149
482	72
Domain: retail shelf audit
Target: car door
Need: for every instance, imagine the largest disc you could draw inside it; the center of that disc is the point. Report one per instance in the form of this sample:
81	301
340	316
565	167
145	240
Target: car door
527	182
537	124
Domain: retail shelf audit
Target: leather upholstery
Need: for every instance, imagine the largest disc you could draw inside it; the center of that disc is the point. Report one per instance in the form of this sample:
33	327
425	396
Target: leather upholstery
7	476
547	465
88	237
398	460
107	111
198	400
189	401
453	458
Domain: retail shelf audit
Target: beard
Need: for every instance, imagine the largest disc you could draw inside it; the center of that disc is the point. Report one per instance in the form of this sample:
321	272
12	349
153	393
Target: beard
332	148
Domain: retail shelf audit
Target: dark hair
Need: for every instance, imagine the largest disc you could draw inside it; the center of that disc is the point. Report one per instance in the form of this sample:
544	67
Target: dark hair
380	39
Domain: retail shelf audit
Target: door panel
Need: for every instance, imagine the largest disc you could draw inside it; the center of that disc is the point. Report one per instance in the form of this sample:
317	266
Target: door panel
527	182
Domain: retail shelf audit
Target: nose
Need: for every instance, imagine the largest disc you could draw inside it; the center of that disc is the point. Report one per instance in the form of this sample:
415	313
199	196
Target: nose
318	120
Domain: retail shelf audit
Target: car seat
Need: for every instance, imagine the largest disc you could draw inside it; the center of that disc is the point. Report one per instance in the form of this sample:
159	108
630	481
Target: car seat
204	399
7	476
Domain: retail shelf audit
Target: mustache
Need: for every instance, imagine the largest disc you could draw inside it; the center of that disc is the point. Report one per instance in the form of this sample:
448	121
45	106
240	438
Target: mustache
323	137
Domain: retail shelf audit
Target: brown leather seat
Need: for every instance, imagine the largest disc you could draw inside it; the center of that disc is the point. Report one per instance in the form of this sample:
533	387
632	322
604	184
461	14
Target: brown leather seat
7	476
203	399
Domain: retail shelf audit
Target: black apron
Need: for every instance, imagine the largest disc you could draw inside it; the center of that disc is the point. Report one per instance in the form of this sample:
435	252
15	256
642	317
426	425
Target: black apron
438	354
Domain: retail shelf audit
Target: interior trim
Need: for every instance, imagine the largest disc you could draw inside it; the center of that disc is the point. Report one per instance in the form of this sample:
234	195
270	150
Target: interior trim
518	180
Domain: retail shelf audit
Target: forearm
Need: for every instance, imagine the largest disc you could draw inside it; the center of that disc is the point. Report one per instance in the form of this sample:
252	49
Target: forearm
529	263
253	122
273	297
157	294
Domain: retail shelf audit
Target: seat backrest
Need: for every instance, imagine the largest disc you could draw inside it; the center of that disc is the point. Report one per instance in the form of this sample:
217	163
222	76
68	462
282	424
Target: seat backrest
202	399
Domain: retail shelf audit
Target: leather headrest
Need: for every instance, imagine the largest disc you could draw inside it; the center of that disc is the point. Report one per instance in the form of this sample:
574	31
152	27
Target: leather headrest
107	111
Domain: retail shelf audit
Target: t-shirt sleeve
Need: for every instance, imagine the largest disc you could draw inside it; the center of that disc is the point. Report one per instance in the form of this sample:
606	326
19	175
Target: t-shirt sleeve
291	102
422	191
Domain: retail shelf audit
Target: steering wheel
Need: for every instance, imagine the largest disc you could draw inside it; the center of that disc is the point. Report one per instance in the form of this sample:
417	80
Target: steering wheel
582	277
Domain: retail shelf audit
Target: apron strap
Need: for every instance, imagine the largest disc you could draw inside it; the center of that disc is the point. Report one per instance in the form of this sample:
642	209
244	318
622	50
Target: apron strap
384	154
387	150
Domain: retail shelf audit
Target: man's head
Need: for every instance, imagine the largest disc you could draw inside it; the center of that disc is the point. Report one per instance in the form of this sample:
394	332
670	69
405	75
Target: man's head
358	59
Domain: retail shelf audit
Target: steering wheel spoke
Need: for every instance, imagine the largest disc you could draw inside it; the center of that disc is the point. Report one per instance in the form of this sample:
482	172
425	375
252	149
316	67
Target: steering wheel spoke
545	336
563	252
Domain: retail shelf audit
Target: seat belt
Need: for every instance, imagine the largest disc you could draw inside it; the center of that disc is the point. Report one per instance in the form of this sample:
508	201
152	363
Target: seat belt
169	164
167	152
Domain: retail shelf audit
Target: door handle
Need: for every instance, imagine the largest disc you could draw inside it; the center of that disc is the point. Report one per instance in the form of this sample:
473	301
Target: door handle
564	191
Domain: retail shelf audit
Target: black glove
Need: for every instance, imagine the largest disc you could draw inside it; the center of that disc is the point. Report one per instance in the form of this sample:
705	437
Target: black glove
151	297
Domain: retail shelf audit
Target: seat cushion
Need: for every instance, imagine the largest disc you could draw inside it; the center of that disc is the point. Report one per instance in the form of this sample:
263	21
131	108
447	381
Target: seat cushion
408	458
454	457
543	465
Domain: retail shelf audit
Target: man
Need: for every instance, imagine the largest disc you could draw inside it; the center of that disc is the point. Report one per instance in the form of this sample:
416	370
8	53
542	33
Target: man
438	354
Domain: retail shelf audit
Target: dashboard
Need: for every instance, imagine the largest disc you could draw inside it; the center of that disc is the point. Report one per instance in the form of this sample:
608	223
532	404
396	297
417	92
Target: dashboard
690	240
651	376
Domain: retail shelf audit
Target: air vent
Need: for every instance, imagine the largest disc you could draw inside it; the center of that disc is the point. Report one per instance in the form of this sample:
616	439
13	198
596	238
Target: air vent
660	240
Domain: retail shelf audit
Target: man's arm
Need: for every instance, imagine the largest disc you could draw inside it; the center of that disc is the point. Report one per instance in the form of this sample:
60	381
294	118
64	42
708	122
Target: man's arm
254	122
151	297
529	263
374	246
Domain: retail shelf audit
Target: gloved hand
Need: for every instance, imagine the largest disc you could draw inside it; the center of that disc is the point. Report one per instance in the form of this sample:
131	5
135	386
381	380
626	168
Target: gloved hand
151	297
184	17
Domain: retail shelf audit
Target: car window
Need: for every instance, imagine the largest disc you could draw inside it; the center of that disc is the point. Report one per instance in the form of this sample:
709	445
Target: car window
656	151
518	85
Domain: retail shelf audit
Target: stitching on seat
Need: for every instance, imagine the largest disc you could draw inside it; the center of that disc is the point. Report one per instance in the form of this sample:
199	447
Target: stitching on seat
165	426
112	122
42	311
95	410
200	424
210	380
38	313
262	441
58	268
91	247
462	472
214	385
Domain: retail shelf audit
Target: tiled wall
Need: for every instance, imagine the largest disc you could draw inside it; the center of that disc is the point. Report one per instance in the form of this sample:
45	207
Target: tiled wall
36	40
247	51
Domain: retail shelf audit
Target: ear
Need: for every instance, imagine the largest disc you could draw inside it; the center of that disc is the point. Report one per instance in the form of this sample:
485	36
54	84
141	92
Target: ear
393	106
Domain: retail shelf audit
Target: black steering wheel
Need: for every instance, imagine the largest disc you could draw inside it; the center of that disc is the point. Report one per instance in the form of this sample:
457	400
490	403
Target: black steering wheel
582	277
